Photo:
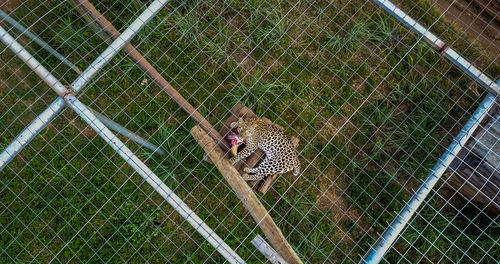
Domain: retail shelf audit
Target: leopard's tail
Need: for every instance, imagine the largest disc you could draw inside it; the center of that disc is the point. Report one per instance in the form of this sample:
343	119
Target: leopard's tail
296	170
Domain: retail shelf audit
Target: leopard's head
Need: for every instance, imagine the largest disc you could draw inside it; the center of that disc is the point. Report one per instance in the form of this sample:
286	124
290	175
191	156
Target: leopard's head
246	127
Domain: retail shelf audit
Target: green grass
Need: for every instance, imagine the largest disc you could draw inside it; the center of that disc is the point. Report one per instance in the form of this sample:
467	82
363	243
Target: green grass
373	108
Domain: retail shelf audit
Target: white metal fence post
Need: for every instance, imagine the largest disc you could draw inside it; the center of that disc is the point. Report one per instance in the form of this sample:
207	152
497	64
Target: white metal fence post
41	121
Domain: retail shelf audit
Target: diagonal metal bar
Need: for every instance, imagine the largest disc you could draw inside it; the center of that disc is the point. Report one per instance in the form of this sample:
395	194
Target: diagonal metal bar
41	121
39	41
392	232
440	46
141	168
127	133
92	15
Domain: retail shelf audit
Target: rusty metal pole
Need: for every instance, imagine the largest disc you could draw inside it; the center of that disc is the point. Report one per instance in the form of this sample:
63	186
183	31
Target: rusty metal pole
89	11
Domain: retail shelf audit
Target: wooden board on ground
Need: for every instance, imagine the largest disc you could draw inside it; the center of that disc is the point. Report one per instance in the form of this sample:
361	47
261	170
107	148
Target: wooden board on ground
246	195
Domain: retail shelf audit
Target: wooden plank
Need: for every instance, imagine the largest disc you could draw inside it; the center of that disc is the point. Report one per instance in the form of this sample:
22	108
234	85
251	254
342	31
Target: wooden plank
477	183
476	169
246	195
474	176
267	250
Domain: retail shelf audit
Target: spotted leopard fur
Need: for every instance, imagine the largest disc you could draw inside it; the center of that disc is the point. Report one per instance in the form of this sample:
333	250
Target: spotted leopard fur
281	156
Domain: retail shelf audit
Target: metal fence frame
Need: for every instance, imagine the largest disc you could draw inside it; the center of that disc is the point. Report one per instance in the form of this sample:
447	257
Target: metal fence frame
392	232
67	96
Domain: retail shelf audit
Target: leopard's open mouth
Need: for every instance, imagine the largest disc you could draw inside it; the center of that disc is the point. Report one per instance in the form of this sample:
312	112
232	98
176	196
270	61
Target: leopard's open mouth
234	141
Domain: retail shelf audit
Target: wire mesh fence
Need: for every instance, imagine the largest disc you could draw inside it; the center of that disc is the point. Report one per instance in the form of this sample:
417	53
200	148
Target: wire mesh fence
373	105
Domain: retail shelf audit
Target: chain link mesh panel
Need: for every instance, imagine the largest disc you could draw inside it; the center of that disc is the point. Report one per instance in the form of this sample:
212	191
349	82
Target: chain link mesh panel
374	107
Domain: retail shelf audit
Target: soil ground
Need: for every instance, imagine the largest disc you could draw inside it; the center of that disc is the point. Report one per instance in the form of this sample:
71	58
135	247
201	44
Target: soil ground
479	19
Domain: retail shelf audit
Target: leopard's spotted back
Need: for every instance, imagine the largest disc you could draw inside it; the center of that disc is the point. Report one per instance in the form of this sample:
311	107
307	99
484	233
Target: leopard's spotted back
281	155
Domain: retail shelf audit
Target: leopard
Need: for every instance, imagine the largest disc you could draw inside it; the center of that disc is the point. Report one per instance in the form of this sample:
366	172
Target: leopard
281	156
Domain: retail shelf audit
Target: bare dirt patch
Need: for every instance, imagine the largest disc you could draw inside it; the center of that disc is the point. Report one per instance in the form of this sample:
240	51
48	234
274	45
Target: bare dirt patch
358	83
84	129
334	125
333	199
8	5
245	61
272	64
479	19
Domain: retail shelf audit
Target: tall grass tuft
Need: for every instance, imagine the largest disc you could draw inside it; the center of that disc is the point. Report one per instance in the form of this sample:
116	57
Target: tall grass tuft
256	94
